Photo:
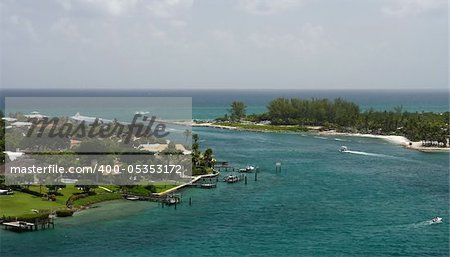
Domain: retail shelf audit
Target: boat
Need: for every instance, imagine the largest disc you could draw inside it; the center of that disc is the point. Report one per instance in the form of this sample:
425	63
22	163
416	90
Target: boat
172	199
231	179
343	149
208	185
249	168
436	220
132	198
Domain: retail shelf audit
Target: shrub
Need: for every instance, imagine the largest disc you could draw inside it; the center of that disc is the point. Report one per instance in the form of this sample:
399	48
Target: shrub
64	213
30	217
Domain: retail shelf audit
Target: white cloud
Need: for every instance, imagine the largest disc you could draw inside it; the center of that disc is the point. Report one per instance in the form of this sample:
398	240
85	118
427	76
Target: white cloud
168	8
403	8
225	38
178	24
308	39
26	25
68	29
66	4
267	7
109	7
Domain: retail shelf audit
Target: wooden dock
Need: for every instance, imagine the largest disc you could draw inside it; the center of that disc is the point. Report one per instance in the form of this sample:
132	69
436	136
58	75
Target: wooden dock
20	226
167	195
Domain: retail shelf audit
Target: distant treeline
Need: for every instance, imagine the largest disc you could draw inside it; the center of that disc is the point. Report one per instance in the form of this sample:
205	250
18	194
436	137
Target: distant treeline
346	116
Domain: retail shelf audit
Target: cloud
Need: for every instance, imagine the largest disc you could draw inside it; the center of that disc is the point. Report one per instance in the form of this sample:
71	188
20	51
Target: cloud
403	8
66	4
178	24
267	7
26	25
224	38
168	8
109	7
69	29
308	39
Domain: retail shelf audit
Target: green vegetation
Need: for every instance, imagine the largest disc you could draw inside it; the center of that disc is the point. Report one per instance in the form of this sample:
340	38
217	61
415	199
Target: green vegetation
99	197
28	217
202	163
344	116
237	111
64	213
21	203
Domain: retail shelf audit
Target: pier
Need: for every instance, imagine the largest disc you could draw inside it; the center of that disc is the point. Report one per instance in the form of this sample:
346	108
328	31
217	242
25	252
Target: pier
20	226
166	196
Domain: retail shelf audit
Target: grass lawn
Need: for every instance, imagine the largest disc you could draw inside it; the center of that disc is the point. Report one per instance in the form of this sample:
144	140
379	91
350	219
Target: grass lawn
21	203
162	188
67	192
101	196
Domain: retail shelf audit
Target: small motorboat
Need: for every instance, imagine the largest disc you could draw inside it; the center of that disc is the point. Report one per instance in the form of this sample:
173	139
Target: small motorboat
132	198
231	179
343	149
249	168
436	220
208	185
172	199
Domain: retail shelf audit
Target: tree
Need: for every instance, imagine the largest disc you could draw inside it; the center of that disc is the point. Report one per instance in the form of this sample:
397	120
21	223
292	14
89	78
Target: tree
208	158
187	133
237	111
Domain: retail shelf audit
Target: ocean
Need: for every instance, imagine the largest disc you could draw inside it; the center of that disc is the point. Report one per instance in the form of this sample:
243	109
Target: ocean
375	201
210	104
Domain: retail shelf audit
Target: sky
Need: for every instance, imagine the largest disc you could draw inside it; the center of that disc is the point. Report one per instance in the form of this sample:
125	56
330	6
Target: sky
224	44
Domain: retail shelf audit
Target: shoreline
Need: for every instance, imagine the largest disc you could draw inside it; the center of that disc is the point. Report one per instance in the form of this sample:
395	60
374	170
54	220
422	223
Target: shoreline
398	140
168	191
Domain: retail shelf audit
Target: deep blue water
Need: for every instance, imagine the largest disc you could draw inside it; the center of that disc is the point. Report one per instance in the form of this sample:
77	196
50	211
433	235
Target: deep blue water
323	203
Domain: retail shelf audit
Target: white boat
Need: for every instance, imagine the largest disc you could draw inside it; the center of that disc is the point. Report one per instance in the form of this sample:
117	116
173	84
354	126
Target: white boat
343	149
436	220
231	179
132	198
208	185
87	119
249	168
172	200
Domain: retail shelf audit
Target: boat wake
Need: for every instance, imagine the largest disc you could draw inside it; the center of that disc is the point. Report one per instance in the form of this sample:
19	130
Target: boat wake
425	223
365	153
416	225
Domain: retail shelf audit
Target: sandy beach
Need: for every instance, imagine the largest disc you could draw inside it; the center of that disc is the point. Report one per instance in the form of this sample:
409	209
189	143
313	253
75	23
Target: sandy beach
399	140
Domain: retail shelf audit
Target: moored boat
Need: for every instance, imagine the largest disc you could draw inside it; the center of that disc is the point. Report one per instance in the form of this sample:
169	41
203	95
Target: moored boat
231	179
249	168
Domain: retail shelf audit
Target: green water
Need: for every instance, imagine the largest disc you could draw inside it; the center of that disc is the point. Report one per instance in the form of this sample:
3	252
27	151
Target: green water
323	203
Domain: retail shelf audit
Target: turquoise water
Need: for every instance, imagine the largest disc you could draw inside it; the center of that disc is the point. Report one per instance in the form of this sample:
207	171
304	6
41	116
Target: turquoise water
323	203
210	104
375	202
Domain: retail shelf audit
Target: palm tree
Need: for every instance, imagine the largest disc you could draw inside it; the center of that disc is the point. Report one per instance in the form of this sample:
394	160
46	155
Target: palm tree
187	133
208	158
